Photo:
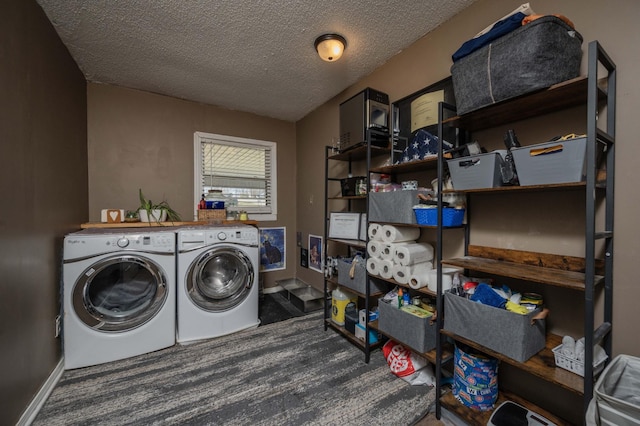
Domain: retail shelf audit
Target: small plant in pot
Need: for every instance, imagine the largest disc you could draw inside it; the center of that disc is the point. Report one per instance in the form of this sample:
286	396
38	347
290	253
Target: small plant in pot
160	212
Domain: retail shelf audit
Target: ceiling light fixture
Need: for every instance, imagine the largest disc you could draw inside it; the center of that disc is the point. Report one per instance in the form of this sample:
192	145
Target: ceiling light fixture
330	46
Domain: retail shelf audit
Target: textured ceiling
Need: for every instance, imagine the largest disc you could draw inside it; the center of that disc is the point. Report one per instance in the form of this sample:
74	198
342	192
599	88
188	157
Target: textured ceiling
248	55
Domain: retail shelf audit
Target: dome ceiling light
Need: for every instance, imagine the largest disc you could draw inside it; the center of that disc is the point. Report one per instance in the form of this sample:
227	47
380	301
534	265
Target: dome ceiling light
330	47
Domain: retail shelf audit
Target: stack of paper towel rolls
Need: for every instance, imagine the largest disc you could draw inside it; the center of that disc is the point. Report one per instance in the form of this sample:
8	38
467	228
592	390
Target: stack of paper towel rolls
394	253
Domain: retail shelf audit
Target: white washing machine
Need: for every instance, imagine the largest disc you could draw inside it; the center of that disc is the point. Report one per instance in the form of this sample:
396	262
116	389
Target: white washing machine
217	281
119	294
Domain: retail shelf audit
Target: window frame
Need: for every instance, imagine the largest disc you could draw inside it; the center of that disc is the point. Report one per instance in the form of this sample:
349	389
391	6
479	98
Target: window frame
200	137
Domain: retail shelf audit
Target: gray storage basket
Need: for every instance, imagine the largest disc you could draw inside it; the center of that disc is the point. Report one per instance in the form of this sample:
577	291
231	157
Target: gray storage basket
537	55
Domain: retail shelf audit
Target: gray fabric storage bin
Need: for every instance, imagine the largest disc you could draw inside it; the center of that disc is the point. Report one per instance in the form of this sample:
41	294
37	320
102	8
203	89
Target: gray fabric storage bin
395	207
476	171
537	55
359	278
417	333
500	330
556	162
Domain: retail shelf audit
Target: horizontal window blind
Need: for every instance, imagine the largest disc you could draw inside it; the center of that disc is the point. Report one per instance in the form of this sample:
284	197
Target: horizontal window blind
243	171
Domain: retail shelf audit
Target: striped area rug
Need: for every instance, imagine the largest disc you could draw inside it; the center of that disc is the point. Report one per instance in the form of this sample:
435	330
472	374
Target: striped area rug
287	373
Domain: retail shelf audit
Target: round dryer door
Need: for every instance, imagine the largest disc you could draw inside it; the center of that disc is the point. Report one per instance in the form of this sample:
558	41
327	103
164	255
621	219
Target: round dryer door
220	279
120	293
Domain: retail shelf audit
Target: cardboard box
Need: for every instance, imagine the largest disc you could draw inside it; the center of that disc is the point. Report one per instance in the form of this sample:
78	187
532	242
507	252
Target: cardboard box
394	207
417	333
502	331
358	282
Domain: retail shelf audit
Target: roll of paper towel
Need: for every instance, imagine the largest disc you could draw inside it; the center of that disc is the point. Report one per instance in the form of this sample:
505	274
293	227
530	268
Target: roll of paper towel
375	248
375	231
447	278
386	268
373	267
398	234
419	279
389	249
403	274
409	254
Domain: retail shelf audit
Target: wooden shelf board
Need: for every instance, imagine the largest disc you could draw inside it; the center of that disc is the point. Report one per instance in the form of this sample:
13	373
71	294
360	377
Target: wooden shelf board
352	243
527	188
423	290
541	364
474	417
360	152
351	337
90	225
447	349
415	225
411	166
348	197
550	276
560	96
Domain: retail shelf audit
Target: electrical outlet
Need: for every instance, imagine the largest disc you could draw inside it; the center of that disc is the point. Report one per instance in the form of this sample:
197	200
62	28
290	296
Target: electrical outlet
58	319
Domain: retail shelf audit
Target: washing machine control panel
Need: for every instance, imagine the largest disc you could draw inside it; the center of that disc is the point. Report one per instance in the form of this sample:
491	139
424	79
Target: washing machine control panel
123	242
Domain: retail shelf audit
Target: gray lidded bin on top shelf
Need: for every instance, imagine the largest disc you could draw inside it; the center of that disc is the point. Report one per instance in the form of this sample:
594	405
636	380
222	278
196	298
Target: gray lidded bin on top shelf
417	333
502	331
535	56
357	283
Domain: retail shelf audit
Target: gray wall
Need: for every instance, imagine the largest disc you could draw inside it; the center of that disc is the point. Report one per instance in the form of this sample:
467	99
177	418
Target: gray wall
43	187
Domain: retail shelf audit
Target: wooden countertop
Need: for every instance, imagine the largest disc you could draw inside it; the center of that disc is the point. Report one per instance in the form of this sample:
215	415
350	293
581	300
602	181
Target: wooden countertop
156	224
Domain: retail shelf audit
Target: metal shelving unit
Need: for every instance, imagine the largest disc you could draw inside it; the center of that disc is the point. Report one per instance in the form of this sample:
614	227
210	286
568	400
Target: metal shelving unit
584	275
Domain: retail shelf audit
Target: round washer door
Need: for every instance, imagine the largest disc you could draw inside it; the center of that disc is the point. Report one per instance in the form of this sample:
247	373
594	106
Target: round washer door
120	293
220	279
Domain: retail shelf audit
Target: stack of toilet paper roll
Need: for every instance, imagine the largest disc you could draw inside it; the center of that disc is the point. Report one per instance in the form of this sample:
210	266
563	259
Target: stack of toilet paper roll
394	253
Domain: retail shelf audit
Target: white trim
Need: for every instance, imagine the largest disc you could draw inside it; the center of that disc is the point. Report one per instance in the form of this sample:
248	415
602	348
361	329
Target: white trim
231	140
34	407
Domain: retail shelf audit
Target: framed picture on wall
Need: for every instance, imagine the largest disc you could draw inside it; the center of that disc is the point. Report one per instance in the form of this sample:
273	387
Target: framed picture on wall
315	252
272	249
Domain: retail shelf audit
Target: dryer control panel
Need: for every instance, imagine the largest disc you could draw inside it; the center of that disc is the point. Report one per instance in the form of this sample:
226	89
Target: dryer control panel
193	238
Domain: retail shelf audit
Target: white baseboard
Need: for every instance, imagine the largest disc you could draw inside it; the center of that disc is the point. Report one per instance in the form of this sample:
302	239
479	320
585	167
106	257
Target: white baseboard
32	410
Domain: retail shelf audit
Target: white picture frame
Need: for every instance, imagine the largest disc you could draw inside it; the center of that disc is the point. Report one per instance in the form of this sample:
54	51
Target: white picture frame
315	253
344	225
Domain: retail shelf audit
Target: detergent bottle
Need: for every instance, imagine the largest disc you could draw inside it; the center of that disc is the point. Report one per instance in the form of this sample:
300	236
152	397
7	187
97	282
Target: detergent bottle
339	301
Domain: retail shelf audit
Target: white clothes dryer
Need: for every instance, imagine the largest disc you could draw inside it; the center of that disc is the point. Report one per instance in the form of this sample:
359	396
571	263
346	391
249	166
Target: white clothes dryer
217	281
119	294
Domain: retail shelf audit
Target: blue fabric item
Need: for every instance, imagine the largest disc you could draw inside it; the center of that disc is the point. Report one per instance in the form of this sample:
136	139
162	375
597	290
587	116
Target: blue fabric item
484	294
501	28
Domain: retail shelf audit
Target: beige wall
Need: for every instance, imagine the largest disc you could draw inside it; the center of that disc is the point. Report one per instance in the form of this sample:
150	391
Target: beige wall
429	60
143	140
43	187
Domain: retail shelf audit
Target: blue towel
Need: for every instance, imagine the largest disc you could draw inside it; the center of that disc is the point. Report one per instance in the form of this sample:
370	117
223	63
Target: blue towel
485	295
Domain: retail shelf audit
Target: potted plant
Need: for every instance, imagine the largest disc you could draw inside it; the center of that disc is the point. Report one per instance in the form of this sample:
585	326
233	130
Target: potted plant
160	212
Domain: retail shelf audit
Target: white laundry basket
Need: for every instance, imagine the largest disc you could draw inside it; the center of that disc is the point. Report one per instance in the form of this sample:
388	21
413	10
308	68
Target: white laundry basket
616	393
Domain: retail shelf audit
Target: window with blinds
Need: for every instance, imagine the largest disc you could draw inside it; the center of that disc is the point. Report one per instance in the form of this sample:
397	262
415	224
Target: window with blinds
243	169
